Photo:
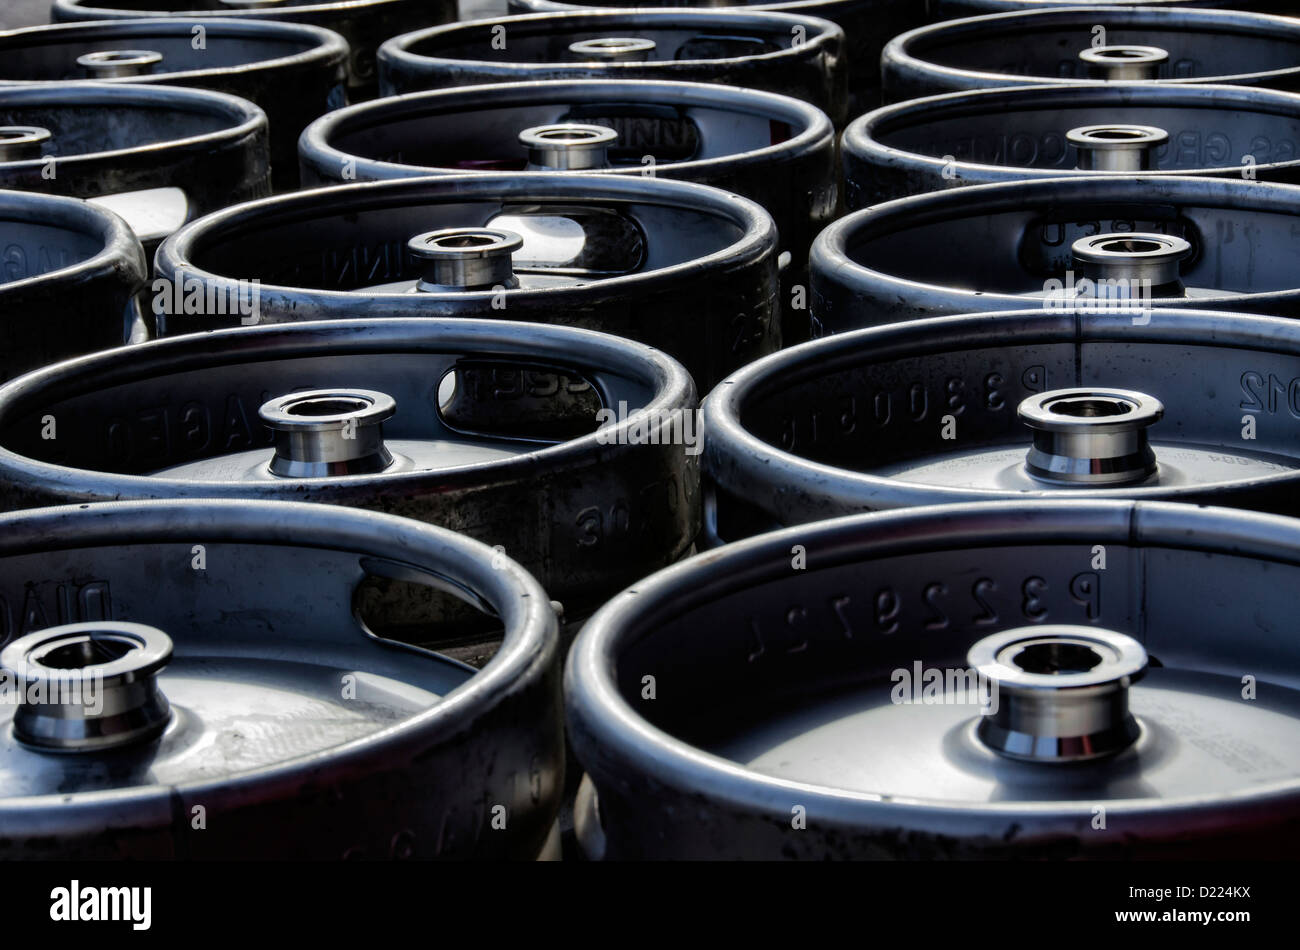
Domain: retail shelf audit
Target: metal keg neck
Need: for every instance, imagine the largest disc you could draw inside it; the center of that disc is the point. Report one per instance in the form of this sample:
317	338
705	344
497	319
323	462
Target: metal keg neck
1061	691
23	142
89	687
1090	436
113	63
1123	63
1132	264
1117	147
464	259
567	146
614	49
329	432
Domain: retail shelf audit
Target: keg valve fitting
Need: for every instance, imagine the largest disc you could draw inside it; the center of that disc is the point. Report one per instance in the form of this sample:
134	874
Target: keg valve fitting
1090	436
329	432
113	63
96	684
614	49
465	259
1117	147
1123	63
1061	692
23	142
567	146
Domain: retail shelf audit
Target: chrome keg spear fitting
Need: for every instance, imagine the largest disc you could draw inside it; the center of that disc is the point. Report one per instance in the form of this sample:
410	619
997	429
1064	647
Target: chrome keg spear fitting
329	432
567	146
1123	63
1090	436
614	49
114	63
87	687
1061	692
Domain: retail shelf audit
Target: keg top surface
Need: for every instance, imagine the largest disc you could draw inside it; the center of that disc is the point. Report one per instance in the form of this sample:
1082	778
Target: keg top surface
854	421
1042	46
808	687
691	127
454	436
49	53
1209	128
101	121
682	37
578	231
52	238
796	6
992	247
270	676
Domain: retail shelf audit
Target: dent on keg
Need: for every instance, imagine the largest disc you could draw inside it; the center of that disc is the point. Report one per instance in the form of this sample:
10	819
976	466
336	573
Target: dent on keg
1038	132
364	24
1155	405
293	71
203	658
799	56
575	452
686	268
776	150
1093	44
1127	241
68	279
867	25
157	156
777	698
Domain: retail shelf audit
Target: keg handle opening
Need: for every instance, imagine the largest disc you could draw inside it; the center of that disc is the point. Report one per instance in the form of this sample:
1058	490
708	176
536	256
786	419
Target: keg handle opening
614	49
23	142
112	63
453	259
1116	147
1058	693
567	146
1123	63
324	432
96	685
1090	437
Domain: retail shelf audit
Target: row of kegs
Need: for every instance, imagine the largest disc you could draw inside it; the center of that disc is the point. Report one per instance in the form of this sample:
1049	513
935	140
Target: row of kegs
354	363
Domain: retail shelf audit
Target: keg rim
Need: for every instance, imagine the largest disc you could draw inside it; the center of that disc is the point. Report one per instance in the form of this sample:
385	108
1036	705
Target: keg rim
397	51
829	254
77	10
531	627
758	235
248	119
121	251
672	389
901	57
599	718
734	456
862	140
316	148
326	45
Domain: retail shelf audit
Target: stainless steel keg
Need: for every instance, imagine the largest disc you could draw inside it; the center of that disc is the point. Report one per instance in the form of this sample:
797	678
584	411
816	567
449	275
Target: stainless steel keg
293	71
189	680
686	268
799	56
1026	679
1160	405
